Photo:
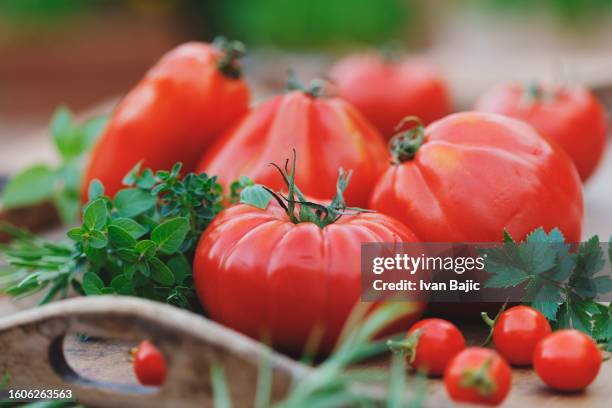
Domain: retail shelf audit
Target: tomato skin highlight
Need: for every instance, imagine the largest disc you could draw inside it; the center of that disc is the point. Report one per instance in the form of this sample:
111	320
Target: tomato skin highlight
567	360
149	364
173	114
327	133
572	117
517	333
473	358
438	342
477	173
385	90
257	272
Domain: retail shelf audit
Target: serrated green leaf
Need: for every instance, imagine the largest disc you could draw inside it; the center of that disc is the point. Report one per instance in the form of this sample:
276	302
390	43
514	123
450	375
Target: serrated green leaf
170	235
119	237
160	272
505	276
92	284
32	186
547	301
179	265
132	202
132	227
579	317
255	195
590	258
603	284
602	326
96	190
507	237
95	215
97	239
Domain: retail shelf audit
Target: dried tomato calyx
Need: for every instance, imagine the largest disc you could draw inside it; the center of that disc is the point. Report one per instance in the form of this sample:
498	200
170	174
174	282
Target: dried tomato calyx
404	145
316	88
299	209
407	346
230	53
480	379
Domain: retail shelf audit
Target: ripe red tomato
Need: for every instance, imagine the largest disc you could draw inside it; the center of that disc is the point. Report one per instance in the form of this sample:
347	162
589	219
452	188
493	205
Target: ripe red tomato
430	344
328	133
174	113
478	375
567	360
386	90
571	116
517	332
149	364
470	175
271	273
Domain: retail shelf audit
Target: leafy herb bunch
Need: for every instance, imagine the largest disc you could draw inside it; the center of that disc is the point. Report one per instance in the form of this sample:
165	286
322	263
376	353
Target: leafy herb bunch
139	243
560	280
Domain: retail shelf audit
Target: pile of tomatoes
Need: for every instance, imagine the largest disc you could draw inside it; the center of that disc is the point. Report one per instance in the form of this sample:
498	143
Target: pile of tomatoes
516	163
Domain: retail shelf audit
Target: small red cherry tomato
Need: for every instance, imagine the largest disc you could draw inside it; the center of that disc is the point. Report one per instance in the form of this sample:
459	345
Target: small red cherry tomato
478	375
149	364
567	360
430	344
517	332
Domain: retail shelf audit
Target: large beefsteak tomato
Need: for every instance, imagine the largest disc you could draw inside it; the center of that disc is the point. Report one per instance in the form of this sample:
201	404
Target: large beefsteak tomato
286	271
328	132
470	175
387	89
173	114
570	116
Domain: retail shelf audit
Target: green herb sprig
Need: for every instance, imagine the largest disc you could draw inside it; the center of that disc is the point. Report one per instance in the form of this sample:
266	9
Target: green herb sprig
560	281
61	184
139	243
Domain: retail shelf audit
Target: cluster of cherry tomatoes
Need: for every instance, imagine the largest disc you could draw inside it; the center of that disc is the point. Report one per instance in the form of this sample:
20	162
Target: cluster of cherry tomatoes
566	360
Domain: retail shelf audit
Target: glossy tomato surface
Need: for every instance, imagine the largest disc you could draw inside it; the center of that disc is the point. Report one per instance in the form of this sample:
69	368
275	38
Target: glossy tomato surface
567	360
517	333
478	375
149	364
173	114
257	272
386	90
327	133
438	342
477	173
570	116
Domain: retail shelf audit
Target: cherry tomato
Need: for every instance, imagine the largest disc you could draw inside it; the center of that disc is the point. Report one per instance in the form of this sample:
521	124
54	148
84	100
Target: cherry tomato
478	375
567	360
149	364
470	175
430	344
173	114
327	132
570	116
387	89
517	332
271	272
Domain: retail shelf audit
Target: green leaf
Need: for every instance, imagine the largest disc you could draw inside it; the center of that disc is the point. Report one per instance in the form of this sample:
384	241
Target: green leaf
95	215
68	205
76	234
547	301
132	227
122	284
128	255
132	202
64	133
29	187
132	175
119	237
170	235
92	129
92	284
507	237
146	248
590	257
160	272
97	239
603	285
256	196
96	189
180	267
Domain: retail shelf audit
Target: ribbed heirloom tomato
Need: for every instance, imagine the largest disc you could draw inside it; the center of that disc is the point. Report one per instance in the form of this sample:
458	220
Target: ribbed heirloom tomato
470	175
281	272
327	132
173	114
387	89
570	116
